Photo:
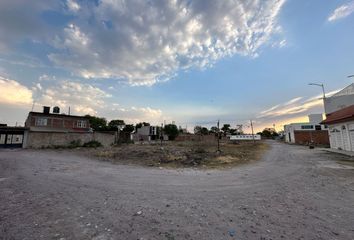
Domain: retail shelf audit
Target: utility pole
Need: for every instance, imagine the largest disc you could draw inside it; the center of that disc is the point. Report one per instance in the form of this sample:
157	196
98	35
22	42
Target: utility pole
252	131
33	105
161	134
218	151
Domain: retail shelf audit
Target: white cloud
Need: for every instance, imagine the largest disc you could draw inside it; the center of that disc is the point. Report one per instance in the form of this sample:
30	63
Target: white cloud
342	11
81	98
73	5
137	114
294	110
45	77
14	93
144	42
84	99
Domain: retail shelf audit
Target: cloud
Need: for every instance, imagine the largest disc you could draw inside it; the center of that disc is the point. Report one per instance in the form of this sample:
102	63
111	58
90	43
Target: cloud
144	42
84	99
20	21
81	98
342	11
13	93
295	106
72	6
137	114
294	110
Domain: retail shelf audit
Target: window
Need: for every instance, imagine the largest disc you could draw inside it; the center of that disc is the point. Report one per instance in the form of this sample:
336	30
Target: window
307	127
318	127
81	124
41	121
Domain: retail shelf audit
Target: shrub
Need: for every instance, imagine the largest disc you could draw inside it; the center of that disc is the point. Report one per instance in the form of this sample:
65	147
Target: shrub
92	144
75	143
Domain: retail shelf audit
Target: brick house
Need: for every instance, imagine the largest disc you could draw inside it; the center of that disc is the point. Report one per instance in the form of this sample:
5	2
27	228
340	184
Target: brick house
55	122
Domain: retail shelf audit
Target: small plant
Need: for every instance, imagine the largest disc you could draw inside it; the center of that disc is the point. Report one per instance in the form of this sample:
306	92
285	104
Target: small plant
92	144
75	144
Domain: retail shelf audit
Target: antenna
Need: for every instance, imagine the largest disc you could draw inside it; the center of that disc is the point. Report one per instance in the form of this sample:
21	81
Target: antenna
69	111
33	105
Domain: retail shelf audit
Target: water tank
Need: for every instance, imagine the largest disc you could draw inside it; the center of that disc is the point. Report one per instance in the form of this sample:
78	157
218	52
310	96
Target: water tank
46	109
56	110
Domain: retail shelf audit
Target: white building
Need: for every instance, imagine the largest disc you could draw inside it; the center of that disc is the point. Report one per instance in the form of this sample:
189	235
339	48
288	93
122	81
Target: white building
340	100
340	119
245	137
307	132
341	128
145	133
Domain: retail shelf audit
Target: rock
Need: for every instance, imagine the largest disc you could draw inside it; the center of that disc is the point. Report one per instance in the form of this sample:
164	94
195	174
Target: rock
138	213
232	232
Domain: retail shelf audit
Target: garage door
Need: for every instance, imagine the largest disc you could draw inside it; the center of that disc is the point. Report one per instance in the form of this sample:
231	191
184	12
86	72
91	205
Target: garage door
10	138
351	135
338	139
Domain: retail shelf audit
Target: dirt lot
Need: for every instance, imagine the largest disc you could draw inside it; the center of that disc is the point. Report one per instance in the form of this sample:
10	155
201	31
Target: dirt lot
290	193
180	154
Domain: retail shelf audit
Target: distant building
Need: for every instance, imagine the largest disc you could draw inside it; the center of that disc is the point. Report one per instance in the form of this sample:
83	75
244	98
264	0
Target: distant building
245	137
341	128
312	132
56	122
145	133
45	129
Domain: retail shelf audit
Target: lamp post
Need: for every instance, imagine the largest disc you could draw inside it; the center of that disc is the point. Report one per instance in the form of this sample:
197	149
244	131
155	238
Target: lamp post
350	76
320	85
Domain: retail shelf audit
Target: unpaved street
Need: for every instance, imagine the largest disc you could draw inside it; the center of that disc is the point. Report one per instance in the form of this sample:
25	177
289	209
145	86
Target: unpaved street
292	193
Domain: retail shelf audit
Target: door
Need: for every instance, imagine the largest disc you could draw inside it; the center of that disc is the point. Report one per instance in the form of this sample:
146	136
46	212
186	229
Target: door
11	139
346	145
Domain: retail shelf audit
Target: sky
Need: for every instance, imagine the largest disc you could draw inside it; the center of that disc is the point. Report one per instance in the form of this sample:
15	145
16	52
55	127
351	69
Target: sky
193	62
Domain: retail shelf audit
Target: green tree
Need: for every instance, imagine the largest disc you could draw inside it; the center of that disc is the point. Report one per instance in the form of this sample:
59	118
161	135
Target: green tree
115	123
129	128
197	129
204	131
214	129
97	123
226	128
171	130
139	125
269	133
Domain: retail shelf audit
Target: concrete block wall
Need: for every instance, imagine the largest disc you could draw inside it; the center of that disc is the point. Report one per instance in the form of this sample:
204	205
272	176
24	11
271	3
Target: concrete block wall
49	139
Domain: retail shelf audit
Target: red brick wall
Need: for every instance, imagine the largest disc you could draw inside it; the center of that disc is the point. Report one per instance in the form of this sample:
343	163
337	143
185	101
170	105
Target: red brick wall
318	137
59	123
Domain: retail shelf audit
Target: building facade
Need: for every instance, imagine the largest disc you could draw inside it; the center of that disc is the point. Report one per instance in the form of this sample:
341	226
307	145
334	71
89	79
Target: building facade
55	122
145	133
341	128
312	132
339	110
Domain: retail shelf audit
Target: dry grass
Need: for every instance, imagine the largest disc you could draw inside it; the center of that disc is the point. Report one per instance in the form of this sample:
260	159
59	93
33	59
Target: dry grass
183	154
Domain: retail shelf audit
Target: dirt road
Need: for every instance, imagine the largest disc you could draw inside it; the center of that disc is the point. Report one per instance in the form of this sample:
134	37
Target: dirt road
292	193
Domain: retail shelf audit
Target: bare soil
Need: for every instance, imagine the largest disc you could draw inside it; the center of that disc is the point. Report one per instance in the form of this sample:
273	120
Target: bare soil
182	154
291	192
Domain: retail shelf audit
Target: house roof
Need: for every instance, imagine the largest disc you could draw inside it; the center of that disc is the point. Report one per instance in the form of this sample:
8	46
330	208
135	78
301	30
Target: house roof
55	115
343	115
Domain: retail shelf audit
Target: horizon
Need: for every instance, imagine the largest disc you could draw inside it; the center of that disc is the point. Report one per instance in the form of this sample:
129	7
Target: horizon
191	62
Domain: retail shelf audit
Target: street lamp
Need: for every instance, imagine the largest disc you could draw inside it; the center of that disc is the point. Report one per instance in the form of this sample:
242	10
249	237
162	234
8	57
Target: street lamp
320	85
350	76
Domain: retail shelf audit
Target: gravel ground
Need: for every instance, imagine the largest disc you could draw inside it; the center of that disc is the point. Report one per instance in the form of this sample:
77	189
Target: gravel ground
292	193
